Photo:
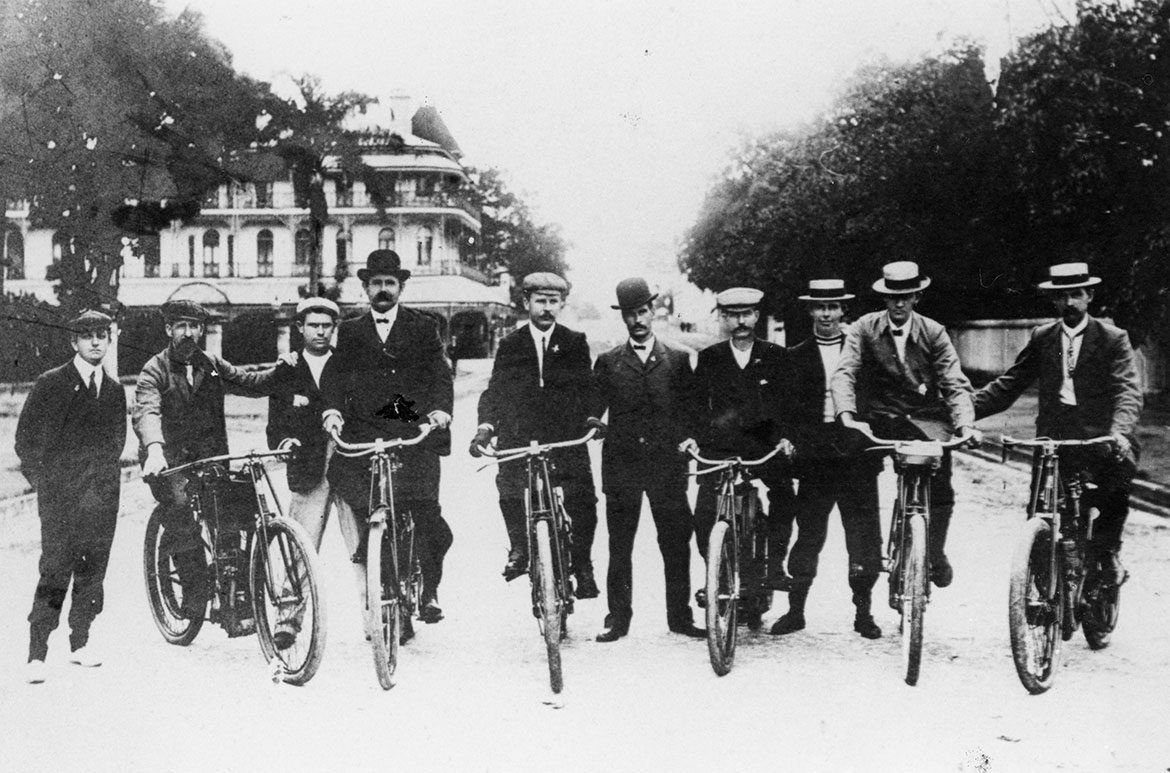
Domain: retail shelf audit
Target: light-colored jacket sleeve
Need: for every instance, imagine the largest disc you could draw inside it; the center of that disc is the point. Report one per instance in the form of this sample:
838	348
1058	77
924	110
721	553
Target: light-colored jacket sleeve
953	385
843	385
1125	388
147	413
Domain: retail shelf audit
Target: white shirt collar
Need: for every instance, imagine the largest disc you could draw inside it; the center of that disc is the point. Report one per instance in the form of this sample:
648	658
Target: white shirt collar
84	369
647	347
1080	328
905	326
391	315
537	335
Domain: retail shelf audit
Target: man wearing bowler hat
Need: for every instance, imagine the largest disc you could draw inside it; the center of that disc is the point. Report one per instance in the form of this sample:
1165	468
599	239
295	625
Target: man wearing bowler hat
900	373
1088	388
69	438
541	389
645	385
830	467
390	374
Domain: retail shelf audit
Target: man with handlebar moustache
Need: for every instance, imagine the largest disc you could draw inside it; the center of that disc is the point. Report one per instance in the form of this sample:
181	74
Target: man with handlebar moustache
1088	388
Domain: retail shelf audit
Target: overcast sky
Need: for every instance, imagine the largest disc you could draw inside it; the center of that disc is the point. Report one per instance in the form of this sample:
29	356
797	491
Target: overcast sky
612	117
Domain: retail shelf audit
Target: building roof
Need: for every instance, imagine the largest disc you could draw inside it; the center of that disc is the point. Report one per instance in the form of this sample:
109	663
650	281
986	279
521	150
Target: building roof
428	123
445	290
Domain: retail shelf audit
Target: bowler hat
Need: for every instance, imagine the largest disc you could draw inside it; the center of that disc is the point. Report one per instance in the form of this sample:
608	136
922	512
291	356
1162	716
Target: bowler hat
1068	276
827	290
633	293
738	297
184	309
90	321
545	281
901	278
383	262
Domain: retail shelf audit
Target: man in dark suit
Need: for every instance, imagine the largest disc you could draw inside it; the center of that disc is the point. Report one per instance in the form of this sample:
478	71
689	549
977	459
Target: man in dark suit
69	438
541	388
388	374
646	386
738	404
899	372
1088	388
830	467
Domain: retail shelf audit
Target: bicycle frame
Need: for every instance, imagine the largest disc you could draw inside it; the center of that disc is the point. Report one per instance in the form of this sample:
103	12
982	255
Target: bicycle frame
545	502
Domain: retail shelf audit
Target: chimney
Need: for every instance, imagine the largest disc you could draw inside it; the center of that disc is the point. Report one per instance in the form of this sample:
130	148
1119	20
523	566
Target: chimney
399	104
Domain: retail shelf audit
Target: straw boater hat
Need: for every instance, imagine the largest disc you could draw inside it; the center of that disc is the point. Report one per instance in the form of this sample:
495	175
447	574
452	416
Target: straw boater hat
900	278
1068	276
317	304
827	290
739	298
633	293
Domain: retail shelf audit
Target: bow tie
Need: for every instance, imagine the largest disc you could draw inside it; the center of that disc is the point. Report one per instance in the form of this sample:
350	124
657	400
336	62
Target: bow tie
381	320
897	331
638	347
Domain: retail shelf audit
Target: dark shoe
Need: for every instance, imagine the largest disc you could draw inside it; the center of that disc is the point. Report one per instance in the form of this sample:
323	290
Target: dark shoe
689	629
430	612
788	623
517	565
941	573
586	585
754	620
701	598
1112	570
865	626
612	633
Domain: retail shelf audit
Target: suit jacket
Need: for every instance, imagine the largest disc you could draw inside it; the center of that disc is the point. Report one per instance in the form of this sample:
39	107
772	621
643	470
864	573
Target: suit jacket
367	377
519	408
1105	381
188	418
804	405
739	412
294	411
871	382
69	444
649	413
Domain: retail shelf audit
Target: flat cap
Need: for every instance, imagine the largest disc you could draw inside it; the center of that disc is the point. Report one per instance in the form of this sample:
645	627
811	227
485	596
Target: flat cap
182	309
89	321
734	297
544	280
316	303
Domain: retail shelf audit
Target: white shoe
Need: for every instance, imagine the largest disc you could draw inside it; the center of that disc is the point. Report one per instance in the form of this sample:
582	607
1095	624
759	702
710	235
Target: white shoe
87	657
35	671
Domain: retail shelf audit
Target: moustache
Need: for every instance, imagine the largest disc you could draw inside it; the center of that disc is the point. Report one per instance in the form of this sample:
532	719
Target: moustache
382	295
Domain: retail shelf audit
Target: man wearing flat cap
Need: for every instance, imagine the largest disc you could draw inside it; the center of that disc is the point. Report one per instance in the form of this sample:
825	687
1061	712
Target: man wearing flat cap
900	373
390	376
69	438
178	416
541	389
738	412
830	466
646	386
1088	388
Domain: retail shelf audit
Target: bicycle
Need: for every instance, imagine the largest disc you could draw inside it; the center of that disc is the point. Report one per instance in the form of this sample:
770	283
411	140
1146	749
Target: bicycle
737	533
1056	586
907	558
549	531
263	571
394	581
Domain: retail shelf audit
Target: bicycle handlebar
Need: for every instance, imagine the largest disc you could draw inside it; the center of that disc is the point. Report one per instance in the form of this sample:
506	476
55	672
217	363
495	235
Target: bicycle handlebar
379	445
251	456
721	463
499	456
885	443
1009	441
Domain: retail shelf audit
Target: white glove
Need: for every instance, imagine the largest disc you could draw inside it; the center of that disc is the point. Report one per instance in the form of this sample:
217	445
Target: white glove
440	419
155	461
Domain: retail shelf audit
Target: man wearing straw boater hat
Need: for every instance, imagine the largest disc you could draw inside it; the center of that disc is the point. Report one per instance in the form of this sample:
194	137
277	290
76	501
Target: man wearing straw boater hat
1088	388
899	372
830	467
645	385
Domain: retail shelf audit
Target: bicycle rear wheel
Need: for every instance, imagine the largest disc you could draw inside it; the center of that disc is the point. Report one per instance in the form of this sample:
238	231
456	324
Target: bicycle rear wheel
914	581
1034	614
167	591
1100	608
722	598
383	608
549	604
286	602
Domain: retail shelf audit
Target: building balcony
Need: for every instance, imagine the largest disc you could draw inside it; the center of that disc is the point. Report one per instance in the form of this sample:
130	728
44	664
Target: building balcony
346	201
451	268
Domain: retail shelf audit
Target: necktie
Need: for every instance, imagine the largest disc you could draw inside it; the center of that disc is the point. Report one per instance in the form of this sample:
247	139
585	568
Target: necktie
543	352
93	389
1071	359
897	331
382	320
639	347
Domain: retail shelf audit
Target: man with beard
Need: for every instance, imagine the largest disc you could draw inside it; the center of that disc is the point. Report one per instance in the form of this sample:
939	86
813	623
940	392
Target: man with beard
1088	388
178	417
389	371
646	387
738	404
69	438
541	389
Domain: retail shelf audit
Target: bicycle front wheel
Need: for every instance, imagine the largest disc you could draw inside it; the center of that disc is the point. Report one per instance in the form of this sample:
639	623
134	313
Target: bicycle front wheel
177	604
722	598
286	602
383	606
1034	613
914	581
548	603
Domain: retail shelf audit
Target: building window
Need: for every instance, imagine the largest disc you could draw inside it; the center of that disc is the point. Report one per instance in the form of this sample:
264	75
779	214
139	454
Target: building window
302	246
210	245
386	239
344	193
190	256
425	186
211	198
151	256
264	253
342	270
12	252
426	241
231	255
263	195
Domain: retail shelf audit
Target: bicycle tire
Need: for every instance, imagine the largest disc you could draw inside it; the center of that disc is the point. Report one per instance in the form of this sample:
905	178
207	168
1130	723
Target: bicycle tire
382	613
289	555
161	586
914	581
550	605
722	598
1034	619
1100	608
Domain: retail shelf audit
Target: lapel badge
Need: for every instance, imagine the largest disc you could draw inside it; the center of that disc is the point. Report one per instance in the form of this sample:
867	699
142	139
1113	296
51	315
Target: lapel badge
556	348
300	401
922	389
